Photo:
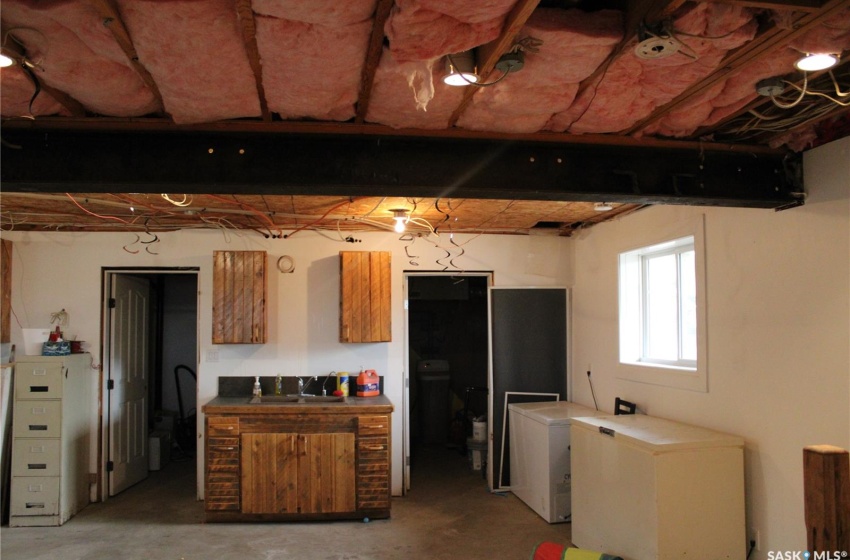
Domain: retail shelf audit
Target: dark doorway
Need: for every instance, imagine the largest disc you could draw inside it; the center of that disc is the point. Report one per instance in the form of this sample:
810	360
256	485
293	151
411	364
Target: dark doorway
448	350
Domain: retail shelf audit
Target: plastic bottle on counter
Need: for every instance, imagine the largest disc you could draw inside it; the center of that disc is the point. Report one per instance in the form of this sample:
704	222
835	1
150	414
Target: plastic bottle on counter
342	382
258	391
368	384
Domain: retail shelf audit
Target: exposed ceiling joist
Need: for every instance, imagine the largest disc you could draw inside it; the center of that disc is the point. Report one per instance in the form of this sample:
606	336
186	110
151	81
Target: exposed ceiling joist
113	22
373	58
393	166
488	54
249	37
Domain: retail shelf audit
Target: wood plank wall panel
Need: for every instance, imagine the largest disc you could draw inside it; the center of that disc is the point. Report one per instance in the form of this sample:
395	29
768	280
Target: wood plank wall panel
6	291
240	284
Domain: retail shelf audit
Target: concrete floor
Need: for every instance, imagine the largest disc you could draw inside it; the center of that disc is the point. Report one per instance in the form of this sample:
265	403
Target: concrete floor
449	514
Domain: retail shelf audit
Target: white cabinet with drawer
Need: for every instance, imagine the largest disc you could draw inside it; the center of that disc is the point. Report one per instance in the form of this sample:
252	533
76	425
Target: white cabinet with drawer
53	414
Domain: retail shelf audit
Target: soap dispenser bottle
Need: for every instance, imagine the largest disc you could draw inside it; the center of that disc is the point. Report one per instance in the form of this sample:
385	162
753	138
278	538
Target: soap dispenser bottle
278	385
258	391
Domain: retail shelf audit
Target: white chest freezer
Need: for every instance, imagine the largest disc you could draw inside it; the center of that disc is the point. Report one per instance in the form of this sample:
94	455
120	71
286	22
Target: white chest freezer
540	455
647	488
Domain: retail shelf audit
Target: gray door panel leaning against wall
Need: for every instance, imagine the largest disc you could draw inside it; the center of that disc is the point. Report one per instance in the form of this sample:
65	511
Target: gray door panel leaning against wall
128	372
528	346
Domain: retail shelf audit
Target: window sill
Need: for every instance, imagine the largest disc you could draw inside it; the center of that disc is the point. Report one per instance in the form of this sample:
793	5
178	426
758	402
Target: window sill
669	376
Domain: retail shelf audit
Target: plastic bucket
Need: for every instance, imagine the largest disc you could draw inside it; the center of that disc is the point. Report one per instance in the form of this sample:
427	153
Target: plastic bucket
479	431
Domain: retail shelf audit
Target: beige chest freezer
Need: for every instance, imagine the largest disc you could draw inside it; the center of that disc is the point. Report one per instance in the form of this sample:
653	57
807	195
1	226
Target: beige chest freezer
647	488
540	455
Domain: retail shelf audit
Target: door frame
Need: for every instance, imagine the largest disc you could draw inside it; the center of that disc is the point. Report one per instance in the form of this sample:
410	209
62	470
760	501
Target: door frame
101	492
405	486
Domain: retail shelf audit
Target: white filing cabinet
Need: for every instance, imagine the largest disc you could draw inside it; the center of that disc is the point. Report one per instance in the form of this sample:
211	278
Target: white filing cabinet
53	412
646	488
540	455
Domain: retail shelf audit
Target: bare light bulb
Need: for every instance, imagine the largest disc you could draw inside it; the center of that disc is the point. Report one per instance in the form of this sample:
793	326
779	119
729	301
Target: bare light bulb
399	225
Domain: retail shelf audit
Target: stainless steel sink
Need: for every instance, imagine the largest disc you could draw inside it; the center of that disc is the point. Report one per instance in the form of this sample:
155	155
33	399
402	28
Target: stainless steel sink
295	399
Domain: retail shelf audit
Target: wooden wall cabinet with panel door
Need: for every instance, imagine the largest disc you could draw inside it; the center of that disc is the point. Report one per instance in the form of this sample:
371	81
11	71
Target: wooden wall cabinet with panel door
240	283
297	462
365	296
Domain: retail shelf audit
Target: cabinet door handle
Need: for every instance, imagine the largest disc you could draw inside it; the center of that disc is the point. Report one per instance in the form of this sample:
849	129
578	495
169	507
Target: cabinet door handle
606	431
375	447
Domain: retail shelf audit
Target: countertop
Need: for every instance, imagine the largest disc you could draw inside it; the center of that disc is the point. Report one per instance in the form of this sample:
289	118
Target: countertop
242	405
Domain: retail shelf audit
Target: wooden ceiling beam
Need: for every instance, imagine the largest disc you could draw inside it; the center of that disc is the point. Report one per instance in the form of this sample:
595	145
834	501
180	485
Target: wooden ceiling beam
112	20
199	163
757	49
248	28
373	58
489	53
147	124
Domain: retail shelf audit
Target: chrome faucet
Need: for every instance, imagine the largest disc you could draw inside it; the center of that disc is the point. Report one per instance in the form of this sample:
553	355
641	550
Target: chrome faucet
302	385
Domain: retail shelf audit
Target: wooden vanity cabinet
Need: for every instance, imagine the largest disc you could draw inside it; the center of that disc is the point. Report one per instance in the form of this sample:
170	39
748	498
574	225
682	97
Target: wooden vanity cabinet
299	466
298	473
239	297
365	287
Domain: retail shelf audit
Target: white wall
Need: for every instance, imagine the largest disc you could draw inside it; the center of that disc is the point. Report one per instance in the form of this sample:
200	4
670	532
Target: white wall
52	271
778	288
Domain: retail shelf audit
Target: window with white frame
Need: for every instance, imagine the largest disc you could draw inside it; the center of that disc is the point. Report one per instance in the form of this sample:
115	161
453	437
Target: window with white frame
661	313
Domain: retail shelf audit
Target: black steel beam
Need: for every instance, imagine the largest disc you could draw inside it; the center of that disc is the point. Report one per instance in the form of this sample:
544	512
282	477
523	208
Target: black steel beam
242	163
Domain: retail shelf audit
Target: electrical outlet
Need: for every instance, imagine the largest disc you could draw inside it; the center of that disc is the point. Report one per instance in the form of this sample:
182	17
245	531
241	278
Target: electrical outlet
212	355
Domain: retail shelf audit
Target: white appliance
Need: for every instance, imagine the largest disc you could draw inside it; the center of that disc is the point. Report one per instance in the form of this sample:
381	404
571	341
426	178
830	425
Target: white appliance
540	455
653	489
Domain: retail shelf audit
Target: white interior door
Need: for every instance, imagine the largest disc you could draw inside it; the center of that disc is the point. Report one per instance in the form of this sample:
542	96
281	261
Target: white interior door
127	380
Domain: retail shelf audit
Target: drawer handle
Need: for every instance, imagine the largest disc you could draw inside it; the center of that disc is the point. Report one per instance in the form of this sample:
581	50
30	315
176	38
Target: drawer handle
38	427
39	388
375	447
37	505
37	466
606	431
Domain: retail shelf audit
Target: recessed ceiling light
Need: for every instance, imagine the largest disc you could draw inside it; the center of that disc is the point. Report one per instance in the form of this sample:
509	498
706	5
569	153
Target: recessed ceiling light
460	69
816	61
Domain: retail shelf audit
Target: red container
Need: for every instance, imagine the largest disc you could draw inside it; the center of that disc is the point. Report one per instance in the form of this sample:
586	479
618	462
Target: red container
368	384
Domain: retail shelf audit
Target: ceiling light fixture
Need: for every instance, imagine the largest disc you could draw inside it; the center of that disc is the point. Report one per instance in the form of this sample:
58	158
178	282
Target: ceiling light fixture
602	206
6	60
461	69
814	62
401	218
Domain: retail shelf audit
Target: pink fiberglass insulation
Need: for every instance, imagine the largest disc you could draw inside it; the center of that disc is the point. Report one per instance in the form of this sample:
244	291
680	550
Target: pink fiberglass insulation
426	30
321	12
735	93
197	83
833	36
573	45
73	49
16	91
397	87
632	87
312	70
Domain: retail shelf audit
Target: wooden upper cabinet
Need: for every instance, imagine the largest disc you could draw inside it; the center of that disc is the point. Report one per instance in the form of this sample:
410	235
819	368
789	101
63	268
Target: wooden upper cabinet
365	296
239	297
